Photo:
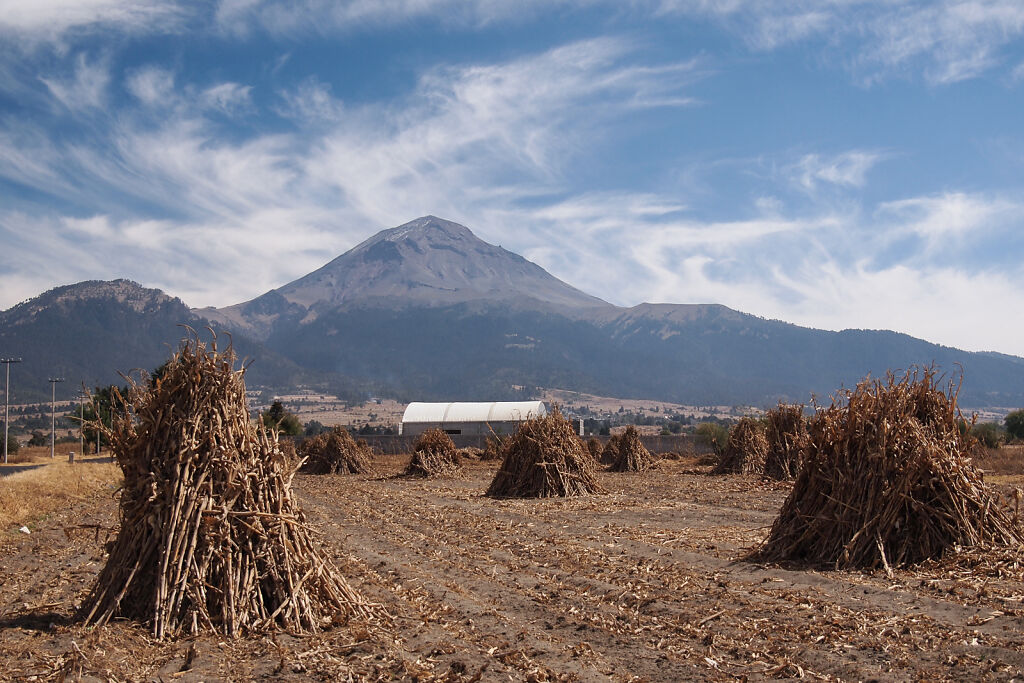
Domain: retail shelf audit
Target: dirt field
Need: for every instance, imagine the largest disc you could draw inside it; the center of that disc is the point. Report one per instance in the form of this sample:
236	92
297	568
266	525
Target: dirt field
641	583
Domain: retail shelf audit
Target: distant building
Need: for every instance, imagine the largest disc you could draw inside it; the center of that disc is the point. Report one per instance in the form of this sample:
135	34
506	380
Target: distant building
480	419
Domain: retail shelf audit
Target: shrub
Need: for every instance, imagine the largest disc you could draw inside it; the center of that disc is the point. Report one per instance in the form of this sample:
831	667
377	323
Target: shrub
713	435
989	434
1015	424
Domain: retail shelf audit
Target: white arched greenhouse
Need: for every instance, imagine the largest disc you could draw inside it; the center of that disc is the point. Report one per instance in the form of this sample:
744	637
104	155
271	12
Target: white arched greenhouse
476	419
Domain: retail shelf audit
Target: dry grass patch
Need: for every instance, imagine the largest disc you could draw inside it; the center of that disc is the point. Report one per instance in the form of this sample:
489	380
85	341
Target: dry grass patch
1005	460
31	494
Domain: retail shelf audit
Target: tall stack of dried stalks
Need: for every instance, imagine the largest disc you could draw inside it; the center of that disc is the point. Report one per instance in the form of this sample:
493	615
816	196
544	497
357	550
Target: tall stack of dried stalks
210	537
545	458
434	455
494	447
786	431
630	453
593	445
335	452
886	481
746	449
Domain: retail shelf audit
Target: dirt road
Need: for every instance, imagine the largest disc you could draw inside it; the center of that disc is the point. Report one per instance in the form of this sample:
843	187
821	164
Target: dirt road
642	583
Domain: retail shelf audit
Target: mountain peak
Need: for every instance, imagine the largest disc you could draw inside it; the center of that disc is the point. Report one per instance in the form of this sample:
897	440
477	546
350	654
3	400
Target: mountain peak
421	234
429	262
427	226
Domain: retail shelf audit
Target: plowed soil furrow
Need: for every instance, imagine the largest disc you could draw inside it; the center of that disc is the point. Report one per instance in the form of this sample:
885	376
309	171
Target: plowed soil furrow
643	583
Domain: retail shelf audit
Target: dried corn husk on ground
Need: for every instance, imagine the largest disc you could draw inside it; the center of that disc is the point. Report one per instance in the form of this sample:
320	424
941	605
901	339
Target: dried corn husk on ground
886	481
631	455
544	458
786	431
210	537
746	450
335	452
434	455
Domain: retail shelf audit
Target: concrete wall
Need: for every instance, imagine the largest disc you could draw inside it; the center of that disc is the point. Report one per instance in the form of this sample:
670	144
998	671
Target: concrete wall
465	428
392	444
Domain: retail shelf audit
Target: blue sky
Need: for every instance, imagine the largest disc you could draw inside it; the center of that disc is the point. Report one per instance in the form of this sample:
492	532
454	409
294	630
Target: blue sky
832	163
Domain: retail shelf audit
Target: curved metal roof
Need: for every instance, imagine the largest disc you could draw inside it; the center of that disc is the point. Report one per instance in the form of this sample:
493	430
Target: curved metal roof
496	411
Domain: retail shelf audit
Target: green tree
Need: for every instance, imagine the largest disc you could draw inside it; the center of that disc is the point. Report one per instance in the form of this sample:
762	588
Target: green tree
280	419
713	435
989	434
39	439
105	401
1015	424
314	427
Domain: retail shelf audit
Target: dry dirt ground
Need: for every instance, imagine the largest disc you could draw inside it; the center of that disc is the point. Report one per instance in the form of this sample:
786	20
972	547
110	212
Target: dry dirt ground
644	582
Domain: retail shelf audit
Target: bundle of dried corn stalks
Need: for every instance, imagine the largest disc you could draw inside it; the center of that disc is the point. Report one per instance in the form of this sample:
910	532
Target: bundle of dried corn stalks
494	447
335	452
630	453
594	447
610	452
886	482
210	537
786	431
544	458
434	455
745	450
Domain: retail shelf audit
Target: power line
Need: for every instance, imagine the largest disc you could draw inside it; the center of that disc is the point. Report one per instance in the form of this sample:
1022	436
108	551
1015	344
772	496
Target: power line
7	398
53	418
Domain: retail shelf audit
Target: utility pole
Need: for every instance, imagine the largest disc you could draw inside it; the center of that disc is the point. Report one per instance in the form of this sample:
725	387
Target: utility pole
81	421
7	398
53	415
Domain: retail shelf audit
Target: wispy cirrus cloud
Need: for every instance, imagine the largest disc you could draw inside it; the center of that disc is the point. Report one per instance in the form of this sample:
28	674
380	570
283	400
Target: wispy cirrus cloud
848	169
824	267
173	194
280	17
466	136
85	88
947	220
52	21
945	41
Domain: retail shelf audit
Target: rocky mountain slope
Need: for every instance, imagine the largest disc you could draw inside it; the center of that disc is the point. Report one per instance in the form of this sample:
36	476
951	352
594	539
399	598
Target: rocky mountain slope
91	332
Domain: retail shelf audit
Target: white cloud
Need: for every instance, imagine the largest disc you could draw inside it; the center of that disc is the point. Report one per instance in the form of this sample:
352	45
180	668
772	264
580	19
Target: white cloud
950	306
228	98
817	270
492	146
941	220
86	89
50	21
152	85
468	137
311	102
945	41
287	18
848	169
